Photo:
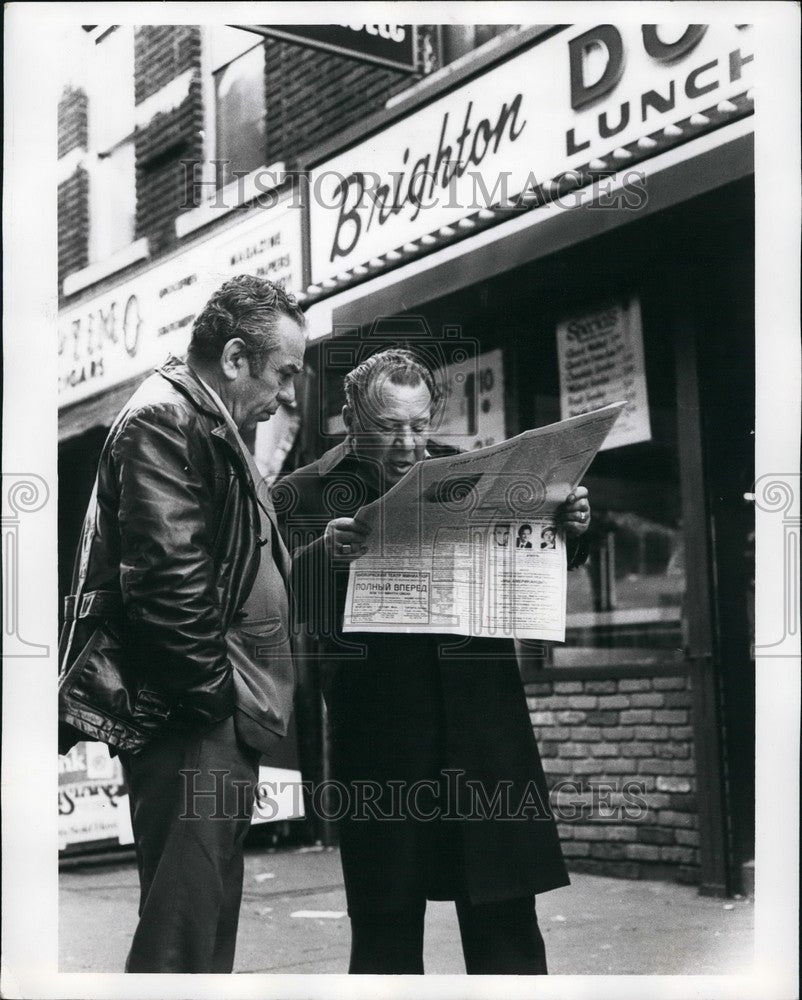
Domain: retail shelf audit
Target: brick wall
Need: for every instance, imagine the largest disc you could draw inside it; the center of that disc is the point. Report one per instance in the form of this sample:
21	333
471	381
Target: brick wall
163	181
72	120
312	95
161	53
73	224
73	192
619	759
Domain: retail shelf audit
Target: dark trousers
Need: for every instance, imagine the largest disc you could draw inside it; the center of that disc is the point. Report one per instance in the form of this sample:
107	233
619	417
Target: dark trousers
497	939
189	830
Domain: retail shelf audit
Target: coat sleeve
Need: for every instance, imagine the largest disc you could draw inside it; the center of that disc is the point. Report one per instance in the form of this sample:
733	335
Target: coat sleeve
167	572
318	588
577	552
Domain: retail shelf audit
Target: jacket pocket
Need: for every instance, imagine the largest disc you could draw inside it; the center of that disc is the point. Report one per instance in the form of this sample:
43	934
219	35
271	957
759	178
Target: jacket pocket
263	636
100	679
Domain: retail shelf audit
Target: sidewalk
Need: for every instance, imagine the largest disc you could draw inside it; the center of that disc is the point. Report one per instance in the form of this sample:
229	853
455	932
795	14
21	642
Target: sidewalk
293	921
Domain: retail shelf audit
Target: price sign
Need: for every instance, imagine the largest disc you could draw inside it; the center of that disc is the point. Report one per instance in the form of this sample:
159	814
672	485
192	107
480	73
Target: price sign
473	410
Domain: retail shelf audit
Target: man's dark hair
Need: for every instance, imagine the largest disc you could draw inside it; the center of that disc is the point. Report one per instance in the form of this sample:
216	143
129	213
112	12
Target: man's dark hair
395	365
246	307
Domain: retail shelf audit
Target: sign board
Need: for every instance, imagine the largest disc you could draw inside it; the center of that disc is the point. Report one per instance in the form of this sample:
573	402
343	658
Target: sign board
92	798
473	414
391	45
93	806
580	94
600	358
131	328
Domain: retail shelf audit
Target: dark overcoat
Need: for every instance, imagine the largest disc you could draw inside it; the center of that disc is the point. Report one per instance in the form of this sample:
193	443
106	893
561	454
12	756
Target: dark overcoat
438	723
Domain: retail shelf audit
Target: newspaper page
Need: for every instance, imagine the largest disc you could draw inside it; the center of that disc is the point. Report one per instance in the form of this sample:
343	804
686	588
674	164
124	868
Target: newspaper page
469	544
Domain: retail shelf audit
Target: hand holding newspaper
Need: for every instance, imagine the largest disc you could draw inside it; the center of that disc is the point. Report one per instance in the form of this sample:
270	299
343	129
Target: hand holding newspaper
469	544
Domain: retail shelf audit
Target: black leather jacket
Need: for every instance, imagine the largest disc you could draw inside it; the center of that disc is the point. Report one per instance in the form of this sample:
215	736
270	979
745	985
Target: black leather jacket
168	555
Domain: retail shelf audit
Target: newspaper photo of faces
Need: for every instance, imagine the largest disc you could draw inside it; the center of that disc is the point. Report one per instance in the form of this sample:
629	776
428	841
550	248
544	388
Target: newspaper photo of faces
536	536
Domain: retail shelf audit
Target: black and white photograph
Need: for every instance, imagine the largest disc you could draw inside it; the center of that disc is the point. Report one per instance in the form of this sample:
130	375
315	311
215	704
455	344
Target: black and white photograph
309	329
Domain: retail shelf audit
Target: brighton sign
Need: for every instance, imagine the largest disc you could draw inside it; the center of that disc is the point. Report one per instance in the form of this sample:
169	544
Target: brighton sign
581	94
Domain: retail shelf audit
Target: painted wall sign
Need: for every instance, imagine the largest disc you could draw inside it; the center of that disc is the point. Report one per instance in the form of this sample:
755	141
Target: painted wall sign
600	358
580	94
131	328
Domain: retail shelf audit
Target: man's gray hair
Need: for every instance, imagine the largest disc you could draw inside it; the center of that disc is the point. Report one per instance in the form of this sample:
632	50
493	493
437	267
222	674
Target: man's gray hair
398	366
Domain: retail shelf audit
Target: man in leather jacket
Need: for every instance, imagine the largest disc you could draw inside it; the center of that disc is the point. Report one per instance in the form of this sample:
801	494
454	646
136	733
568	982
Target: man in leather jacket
176	646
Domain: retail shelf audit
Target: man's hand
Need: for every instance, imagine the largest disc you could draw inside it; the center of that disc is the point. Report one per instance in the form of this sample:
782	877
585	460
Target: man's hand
574	515
344	539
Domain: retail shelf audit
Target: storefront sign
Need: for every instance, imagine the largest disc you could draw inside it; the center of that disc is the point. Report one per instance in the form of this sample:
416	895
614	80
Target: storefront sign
600	357
580	95
93	804
92	800
384	44
132	328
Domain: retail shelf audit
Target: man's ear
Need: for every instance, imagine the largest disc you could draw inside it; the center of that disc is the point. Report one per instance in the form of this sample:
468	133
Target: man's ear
233	360
348	418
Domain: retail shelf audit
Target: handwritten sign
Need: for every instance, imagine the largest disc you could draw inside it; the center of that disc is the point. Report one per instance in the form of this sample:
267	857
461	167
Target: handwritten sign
601	361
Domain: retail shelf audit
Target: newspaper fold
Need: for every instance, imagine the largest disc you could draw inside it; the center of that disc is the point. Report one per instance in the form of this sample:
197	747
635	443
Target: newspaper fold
469	545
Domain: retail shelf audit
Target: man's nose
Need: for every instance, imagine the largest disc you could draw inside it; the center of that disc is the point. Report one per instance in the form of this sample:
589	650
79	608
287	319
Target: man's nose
406	439
287	394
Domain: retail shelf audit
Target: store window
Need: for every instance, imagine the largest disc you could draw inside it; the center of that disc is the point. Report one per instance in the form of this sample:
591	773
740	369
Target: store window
111	161
238	67
626	604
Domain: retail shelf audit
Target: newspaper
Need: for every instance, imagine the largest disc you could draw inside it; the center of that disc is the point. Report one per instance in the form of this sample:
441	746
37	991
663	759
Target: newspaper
469	544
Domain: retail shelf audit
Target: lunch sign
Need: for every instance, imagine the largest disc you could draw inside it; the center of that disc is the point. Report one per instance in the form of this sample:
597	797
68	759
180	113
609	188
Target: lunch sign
581	94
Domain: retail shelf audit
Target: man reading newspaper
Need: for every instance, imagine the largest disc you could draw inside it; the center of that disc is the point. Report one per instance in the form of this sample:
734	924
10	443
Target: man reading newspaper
431	740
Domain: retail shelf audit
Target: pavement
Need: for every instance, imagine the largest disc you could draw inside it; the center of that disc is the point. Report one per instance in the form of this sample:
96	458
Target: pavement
293	921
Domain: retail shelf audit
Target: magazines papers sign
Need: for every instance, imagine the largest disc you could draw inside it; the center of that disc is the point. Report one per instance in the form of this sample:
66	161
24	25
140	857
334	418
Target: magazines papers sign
131	328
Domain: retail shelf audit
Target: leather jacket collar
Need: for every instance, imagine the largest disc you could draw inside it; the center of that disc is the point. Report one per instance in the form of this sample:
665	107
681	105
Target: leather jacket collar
179	374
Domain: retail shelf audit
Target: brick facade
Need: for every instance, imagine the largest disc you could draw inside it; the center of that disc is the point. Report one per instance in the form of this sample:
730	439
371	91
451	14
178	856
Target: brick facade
73	191
168	145
619	760
73	120
73	224
161	53
313	95
310	96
